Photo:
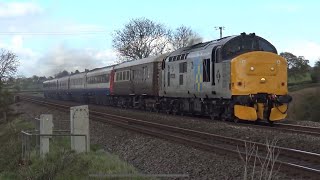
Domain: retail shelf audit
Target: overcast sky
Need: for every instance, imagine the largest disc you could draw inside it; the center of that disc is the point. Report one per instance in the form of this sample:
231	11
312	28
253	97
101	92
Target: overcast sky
50	36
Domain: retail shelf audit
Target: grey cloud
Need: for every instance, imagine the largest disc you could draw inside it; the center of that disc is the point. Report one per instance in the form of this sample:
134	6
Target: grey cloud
70	59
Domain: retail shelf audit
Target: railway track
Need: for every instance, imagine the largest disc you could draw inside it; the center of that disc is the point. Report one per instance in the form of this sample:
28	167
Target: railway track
282	127
297	163
298	129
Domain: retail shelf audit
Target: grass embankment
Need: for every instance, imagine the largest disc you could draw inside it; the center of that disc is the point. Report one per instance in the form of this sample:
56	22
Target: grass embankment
60	163
305	104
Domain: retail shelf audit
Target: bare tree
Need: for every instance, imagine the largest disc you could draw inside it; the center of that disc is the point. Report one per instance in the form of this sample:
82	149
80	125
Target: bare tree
141	38
8	64
184	36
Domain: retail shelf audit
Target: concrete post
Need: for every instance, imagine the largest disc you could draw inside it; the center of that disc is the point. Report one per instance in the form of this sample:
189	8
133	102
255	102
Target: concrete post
79	119
46	126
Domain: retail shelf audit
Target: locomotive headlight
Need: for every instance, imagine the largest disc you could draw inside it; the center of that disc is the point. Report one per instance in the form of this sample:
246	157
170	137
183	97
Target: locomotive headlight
262	80
252	68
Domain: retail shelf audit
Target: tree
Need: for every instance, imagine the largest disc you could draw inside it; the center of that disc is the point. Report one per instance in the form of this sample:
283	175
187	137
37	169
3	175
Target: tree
141	38
184	36
297	66
8	64
315	73
61	74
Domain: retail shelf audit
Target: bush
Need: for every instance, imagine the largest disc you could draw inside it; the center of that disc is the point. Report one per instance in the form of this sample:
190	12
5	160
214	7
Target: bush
306	105
315	76
59	163
6	98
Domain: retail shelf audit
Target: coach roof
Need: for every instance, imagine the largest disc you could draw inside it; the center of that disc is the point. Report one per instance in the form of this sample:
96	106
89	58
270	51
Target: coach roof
158	58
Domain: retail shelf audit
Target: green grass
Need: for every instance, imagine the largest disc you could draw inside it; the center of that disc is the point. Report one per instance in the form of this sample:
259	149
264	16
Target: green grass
300	78
301	86
60	163
307	107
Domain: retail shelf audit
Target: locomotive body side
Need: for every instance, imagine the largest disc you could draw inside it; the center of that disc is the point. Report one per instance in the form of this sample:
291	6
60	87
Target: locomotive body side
198	74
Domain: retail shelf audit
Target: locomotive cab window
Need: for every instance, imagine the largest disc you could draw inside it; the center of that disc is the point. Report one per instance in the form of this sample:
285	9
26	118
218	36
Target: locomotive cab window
244	44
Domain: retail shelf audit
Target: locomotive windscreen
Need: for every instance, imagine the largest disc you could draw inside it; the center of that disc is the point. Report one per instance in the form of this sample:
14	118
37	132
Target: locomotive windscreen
246	43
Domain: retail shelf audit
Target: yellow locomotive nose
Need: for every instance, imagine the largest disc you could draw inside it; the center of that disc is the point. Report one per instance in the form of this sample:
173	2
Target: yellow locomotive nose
261	74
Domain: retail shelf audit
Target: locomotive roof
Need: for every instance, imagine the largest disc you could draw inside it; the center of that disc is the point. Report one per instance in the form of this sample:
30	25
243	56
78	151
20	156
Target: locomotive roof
203	45
158	58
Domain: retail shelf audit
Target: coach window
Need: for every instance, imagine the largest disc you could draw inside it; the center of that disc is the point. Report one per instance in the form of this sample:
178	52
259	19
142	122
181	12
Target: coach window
145	73
107	78
206	70
168	76
132	74
128	75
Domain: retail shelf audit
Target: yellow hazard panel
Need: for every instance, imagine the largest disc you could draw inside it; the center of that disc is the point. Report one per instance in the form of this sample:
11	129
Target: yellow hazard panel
278	113
245	113
260	110
258	72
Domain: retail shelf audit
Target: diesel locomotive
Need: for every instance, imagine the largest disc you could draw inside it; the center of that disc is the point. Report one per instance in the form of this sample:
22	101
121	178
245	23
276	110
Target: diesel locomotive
238	77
